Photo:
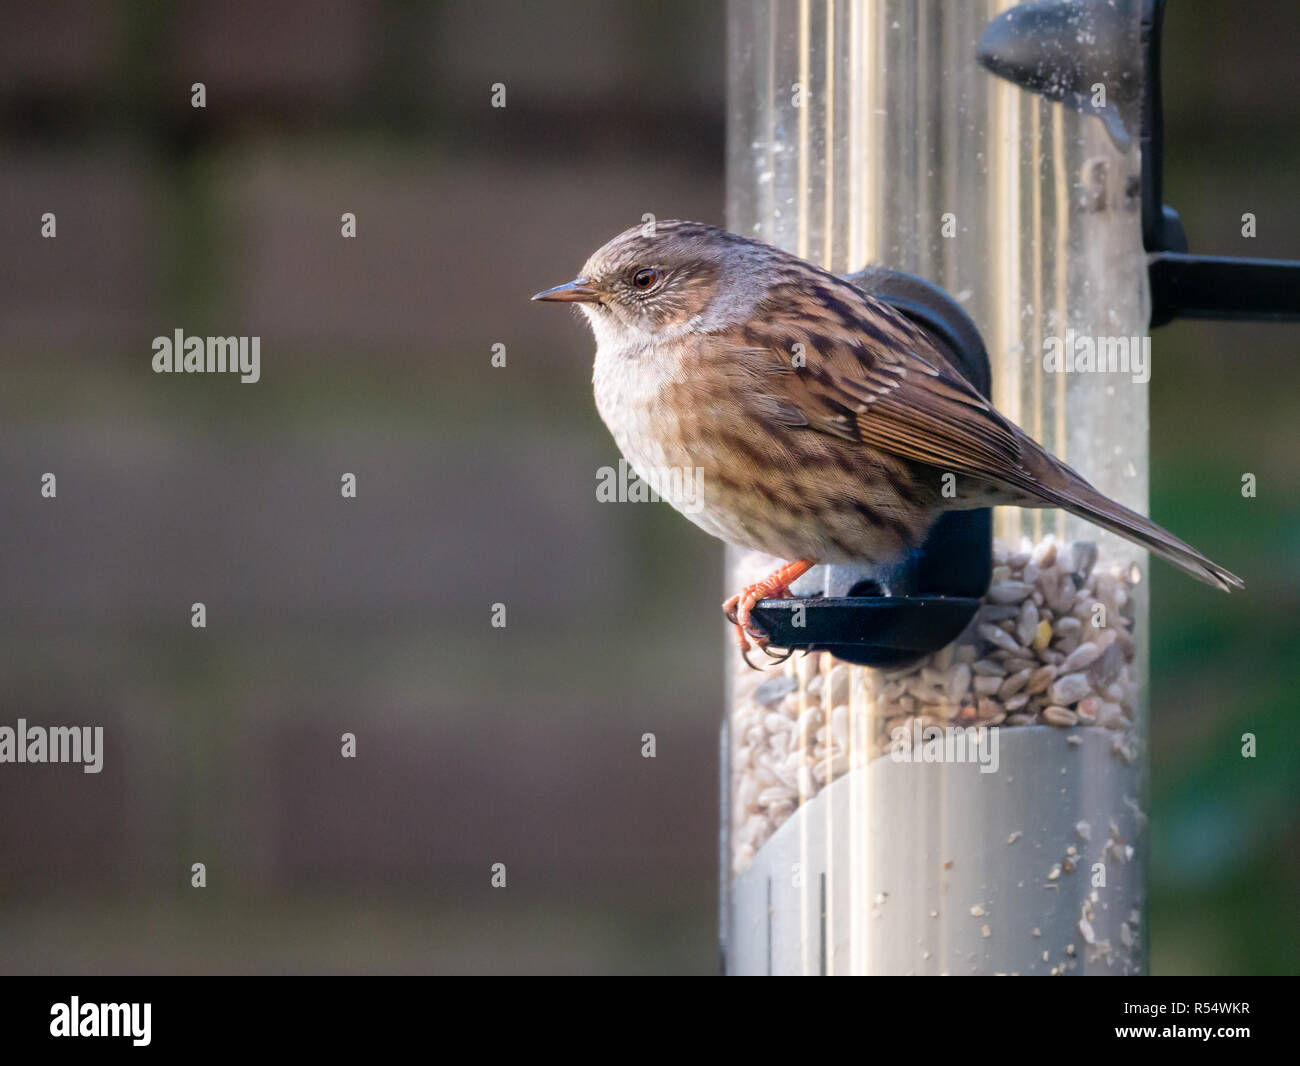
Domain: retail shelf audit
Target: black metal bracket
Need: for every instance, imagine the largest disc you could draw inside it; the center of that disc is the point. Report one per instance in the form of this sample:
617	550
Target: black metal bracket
1060	49
891	617
1196	286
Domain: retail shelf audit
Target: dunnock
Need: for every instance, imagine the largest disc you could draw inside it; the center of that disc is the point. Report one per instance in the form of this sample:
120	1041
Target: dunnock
823	420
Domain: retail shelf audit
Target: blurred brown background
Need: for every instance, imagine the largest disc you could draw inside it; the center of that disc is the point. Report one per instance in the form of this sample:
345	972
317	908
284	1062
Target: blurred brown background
476	485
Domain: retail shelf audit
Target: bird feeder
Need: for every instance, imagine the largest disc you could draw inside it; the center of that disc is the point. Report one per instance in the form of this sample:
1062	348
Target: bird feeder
949	775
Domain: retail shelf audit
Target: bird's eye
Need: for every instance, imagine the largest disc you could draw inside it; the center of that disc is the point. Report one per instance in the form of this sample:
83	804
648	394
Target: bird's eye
643	279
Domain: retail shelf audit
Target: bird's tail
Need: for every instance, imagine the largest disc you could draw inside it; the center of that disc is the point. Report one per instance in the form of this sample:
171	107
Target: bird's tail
1059	486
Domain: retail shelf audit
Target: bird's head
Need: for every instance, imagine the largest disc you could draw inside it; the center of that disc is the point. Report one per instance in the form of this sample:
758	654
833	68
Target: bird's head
661	280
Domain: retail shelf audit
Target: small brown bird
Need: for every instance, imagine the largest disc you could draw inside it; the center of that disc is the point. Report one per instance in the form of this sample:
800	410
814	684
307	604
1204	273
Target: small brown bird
822	419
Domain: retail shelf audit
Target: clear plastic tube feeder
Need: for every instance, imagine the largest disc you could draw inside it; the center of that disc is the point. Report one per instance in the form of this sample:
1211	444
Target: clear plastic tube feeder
979	807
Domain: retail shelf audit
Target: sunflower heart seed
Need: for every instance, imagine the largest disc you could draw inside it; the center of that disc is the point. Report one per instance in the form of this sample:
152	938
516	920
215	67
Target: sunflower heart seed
776	794
1070	689
1061	598
958	681
773	689
839	684
840	725
777	723
1027	623
1040	679
996	636
808	785
1014	684
1061	716
1068	627
1009	592
1111	715
1106	669
808	722
1081	658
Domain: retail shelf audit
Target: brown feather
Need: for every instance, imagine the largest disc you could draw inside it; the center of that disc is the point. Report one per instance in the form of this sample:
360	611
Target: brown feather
888	387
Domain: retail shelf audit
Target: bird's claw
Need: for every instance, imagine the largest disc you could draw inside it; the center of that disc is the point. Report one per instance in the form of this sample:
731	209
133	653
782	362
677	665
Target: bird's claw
746	631
760	641
777	660
729	610
737	610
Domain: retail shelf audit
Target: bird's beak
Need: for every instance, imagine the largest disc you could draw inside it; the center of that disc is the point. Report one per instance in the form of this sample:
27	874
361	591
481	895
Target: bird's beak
579	290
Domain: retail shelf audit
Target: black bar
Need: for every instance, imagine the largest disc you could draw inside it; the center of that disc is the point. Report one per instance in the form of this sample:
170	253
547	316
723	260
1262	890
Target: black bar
380	1019
1211	286
869	630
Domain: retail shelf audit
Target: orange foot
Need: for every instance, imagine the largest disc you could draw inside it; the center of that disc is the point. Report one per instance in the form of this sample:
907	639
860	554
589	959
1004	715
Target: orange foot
738	608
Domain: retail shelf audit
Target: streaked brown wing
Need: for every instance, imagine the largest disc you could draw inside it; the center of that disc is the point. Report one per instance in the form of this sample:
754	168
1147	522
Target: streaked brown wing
869	374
